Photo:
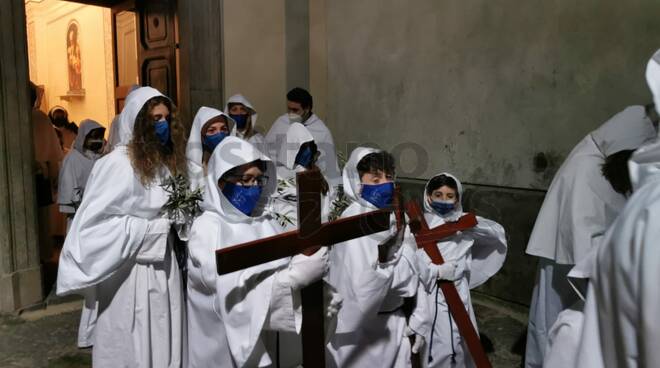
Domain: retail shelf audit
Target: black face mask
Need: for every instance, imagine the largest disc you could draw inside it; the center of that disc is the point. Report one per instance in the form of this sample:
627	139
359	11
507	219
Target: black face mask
60	122
95	146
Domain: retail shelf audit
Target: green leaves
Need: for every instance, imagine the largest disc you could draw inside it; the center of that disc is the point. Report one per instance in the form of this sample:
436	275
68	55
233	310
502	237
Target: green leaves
183	203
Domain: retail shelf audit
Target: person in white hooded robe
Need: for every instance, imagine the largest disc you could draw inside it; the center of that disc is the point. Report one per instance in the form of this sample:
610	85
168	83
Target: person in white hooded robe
234	319
621	324
244	114
578	208
76	167
299	107
471	258
301	156
373	274
210	126
118	246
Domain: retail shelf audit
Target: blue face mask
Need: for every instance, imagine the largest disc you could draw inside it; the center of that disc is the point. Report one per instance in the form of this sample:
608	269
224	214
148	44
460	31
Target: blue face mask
380	195
162	128
241	120
443	207
244	198
211	141
305	157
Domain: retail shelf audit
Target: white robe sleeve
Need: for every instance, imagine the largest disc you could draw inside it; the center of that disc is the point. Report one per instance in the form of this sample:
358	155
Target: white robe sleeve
66	189
488	251
103	234
244	305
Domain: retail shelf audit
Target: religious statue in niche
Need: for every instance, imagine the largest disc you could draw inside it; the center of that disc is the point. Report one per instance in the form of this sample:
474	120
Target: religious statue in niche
74	62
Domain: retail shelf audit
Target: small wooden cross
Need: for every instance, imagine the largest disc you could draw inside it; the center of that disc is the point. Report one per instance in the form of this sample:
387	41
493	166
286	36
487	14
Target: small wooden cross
310	236
427	239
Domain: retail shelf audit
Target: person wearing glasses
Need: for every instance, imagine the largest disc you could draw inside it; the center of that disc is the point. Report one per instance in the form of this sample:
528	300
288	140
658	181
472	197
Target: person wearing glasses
233	319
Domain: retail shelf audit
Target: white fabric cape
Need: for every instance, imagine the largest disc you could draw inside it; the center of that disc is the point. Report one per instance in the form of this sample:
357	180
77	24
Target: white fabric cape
370	325
195	147
230	317
622	327
75	170
327	162
580	204
479	254
284	200
140	300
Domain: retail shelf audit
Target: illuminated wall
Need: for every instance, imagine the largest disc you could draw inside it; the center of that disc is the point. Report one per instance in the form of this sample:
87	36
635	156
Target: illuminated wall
47	25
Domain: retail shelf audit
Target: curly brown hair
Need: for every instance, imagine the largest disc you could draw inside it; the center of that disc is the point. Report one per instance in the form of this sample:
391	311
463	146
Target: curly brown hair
145	150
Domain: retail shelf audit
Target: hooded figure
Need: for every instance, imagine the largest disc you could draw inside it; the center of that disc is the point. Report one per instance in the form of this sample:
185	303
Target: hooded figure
471	258
300	157
113	136
579	207
621	327
233	319
327	161
197	152
246	125
76	167
118	250
370	325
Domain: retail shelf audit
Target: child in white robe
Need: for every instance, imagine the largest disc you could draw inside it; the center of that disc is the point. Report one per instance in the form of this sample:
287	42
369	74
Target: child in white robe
243	113
234	318
373	274
471	258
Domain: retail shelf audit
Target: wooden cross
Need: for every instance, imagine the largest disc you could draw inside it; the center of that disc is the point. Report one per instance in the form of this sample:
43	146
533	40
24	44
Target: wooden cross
310	236
427	239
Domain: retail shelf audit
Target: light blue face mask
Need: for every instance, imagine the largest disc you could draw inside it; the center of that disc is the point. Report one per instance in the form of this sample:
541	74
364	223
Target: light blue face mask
305	157
443	207
244	198
380	195
213	140
241	120
162	128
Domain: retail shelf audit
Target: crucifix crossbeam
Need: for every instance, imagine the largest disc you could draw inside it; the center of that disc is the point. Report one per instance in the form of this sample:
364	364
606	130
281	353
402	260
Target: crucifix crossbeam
310	236
427	239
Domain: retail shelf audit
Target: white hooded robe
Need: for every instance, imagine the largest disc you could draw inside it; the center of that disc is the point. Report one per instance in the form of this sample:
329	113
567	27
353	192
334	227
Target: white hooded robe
327	162
579	207
117	250
479	253
284	201
370	325
233	318
622	324
256	139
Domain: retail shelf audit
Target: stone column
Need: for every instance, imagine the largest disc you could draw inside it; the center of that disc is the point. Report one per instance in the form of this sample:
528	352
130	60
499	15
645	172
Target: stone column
20	273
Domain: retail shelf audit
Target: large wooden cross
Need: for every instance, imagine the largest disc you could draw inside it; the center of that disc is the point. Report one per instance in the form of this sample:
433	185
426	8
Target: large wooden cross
310	236
427	239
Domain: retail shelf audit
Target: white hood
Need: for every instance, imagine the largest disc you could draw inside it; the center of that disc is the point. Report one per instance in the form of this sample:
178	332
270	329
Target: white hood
194	147
627	130
133	104
239	98
351	177
296	136
653	78
86	126
113	135
458	210
230	153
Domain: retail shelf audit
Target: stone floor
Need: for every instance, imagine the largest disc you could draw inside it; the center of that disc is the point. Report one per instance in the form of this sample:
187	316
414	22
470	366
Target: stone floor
47	337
